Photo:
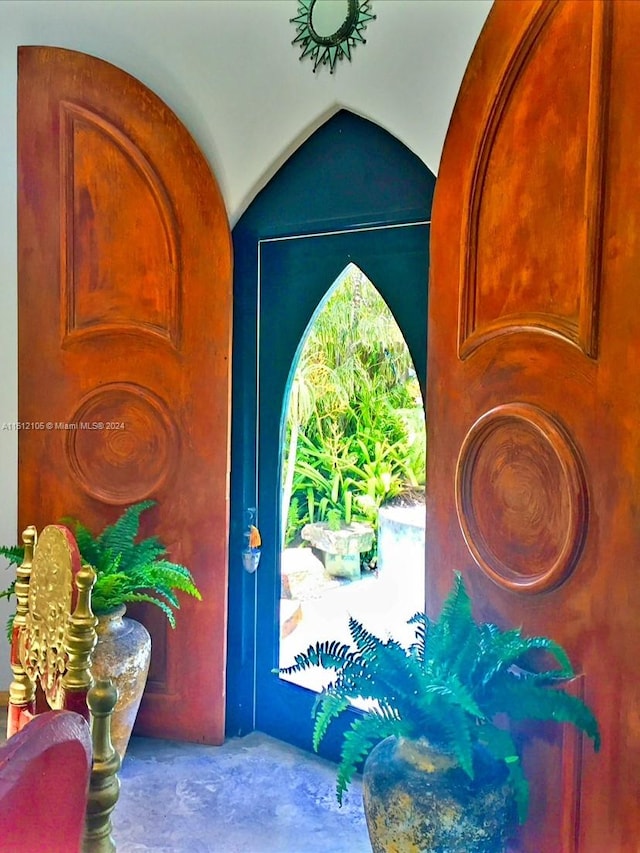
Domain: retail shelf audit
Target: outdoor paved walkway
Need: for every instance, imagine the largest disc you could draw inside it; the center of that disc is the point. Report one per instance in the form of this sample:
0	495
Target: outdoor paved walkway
382	601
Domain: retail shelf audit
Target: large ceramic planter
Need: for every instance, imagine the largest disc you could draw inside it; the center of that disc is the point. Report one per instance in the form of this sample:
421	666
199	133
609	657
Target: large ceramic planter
122	654
419	799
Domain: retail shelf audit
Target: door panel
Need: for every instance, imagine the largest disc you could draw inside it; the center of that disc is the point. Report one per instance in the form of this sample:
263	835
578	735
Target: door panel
533	470
295	275
124	320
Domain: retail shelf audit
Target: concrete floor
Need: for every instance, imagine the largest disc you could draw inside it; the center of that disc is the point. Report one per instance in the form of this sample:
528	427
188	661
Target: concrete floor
256	794
251	795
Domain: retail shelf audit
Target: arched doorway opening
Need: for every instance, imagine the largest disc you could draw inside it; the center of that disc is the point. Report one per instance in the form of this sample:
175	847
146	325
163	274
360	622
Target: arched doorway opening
353	476
351	194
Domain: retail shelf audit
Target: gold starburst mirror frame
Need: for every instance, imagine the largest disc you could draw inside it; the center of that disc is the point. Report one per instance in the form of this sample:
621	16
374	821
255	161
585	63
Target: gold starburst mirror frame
328	30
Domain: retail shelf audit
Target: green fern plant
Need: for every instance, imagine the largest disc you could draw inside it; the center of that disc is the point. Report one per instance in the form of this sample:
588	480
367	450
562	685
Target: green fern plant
127	569
13	555
449	687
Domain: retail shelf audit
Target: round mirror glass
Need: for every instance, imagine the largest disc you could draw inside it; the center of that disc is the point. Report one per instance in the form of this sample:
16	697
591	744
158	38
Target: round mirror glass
328	17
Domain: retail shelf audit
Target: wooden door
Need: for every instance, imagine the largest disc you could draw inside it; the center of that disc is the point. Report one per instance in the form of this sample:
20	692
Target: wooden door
124	320
533	403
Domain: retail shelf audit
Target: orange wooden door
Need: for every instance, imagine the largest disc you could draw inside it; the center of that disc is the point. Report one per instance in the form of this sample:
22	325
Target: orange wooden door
124	320
533	403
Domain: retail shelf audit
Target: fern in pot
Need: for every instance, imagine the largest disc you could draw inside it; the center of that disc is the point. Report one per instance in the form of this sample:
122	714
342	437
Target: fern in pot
442	770
128	570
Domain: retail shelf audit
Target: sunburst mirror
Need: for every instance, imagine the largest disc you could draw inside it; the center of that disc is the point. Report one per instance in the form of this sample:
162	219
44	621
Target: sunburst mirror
328	30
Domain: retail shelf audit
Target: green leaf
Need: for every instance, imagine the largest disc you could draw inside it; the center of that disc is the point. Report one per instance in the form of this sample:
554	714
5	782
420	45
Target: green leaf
328	706
524	699
89	548
119	538
330	655
502	746
456	725
9	591
150	599
358	741
14	554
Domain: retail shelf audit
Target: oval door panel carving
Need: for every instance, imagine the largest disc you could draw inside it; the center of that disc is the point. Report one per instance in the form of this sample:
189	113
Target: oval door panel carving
124	444
521	498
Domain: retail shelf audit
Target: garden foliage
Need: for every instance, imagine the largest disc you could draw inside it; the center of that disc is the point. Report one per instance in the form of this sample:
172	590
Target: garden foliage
355	433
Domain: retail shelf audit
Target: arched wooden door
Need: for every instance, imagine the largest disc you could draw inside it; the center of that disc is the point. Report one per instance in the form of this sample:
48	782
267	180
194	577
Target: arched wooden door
534	468
124	319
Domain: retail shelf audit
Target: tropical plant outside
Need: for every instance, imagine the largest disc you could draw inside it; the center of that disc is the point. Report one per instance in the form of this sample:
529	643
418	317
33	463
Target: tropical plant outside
449	687
355	433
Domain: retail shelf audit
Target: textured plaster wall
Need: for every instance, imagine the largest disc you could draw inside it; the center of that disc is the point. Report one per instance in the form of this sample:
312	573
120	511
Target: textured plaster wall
228	70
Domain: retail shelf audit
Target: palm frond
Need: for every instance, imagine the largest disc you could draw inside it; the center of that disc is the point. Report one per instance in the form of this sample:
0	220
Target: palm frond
329	655
363	639
137	555
174	575
450	632
455	724
421	622
499	650
120	536
9	591
108	591
501	745
88	546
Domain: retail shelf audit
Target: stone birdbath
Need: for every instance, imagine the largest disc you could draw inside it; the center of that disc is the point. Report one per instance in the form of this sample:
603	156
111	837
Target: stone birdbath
341	548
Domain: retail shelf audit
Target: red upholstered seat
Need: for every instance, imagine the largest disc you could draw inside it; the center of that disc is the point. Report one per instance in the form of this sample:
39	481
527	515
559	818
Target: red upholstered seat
44	781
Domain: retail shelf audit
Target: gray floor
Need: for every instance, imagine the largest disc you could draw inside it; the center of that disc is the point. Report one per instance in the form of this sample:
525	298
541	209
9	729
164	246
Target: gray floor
251	795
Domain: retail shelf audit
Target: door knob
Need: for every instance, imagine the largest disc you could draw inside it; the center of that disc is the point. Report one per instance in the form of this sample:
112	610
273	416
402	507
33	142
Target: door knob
252	548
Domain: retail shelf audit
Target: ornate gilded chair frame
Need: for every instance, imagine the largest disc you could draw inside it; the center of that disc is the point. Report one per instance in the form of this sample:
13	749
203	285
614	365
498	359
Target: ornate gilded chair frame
54	634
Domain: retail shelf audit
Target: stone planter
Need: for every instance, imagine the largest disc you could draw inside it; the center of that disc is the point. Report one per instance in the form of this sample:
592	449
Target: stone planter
122	654
417	798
